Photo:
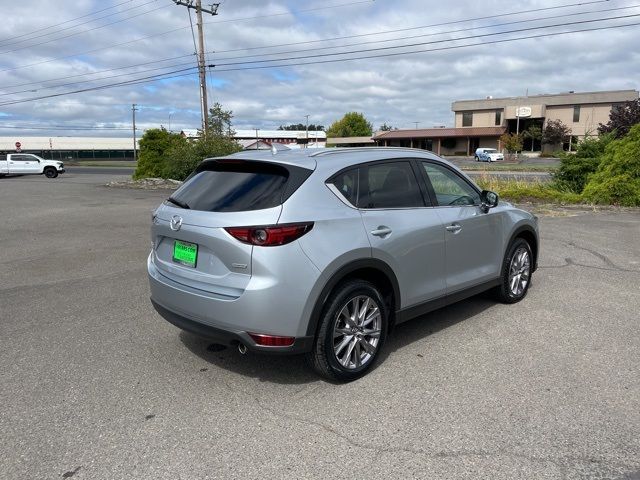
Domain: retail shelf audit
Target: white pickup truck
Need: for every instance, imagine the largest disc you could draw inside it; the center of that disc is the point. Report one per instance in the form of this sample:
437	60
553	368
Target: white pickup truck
29	164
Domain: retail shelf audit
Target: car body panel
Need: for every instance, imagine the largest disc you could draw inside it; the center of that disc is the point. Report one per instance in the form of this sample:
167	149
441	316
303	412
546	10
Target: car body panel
473	253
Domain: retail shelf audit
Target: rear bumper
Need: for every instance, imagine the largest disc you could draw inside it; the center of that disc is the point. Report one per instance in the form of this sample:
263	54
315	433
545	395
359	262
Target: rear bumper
265	307
230	337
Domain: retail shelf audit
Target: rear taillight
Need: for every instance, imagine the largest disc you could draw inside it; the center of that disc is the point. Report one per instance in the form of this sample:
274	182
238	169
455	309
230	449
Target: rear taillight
272	340
270	236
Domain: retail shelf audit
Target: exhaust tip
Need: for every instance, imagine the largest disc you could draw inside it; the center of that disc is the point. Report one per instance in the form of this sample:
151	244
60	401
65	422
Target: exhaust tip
242	348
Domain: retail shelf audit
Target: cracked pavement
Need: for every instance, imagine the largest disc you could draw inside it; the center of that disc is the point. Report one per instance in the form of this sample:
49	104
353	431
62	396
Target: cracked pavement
93	384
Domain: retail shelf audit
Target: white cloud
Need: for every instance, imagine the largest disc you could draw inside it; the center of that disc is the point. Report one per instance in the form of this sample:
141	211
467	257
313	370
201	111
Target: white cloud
398	90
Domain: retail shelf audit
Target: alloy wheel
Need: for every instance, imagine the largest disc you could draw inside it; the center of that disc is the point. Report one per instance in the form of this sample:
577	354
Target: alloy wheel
519	271
356	333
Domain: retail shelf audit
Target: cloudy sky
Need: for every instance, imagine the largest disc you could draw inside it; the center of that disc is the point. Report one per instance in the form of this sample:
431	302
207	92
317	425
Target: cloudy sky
422	55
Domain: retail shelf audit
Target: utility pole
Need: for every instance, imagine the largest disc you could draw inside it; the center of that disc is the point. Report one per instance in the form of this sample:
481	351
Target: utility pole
133	112
213	10
306	145
416	123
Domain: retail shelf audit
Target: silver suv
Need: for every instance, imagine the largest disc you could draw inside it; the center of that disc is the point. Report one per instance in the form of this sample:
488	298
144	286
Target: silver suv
323	252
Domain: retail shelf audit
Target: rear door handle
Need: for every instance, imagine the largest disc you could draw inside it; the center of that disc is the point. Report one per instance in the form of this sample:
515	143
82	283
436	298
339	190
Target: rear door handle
454	227
381	231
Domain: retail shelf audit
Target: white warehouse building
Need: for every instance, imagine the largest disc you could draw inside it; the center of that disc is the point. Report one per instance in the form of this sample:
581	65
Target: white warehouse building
121	148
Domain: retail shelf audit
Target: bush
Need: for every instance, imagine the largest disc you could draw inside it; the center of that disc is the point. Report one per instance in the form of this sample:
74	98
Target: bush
576	168
186	157
155	147
617	179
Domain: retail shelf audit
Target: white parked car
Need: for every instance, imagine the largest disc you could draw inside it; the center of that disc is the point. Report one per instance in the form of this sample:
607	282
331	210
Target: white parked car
488	155
29	164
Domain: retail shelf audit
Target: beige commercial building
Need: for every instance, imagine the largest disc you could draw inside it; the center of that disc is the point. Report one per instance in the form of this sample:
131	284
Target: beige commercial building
480	123
582	112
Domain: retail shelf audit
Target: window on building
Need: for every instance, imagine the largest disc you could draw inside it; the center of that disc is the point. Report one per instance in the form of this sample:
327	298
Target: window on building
498	117
467	119
576	113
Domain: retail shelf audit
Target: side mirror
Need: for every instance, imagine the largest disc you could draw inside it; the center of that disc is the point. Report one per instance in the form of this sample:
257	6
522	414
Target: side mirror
488	200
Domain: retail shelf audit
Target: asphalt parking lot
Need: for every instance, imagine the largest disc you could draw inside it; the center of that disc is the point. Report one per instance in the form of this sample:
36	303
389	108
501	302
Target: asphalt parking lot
95	385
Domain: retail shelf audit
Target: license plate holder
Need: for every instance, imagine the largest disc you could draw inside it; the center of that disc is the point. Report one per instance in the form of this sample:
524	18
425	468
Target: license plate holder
185	253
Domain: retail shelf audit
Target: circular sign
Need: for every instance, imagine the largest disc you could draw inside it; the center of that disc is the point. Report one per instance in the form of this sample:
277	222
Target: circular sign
18	144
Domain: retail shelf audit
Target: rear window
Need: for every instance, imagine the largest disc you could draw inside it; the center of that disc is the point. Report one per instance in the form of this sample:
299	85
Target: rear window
234	186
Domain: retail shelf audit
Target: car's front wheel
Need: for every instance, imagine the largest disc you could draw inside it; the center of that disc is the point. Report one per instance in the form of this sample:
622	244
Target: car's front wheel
352	332
516	272
50	172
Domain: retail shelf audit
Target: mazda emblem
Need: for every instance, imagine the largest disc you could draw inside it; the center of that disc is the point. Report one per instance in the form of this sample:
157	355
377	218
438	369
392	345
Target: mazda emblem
176	223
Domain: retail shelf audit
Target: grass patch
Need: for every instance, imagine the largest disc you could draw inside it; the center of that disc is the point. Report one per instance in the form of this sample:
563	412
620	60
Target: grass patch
528	191
509	167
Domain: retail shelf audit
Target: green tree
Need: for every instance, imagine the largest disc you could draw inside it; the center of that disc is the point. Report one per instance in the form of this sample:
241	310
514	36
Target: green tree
386	128
353	124
534	132
511	142
555	133
155	147
617	179
622	118
220	121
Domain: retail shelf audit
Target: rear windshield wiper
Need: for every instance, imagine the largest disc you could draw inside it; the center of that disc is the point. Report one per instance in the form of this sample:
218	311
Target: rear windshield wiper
179	203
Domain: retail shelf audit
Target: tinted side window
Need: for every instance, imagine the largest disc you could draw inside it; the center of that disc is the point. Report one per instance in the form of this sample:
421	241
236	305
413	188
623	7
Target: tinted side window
234	187
450	189
389	185
347	184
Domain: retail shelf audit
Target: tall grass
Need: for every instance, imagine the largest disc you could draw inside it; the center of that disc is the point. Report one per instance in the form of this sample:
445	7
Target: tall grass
520	190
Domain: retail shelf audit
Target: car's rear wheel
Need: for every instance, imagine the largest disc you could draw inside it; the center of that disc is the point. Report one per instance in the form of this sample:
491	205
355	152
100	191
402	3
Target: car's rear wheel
516	272
477	158
50	172
352	332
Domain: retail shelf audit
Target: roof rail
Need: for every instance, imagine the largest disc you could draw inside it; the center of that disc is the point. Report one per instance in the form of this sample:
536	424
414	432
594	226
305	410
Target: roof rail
333	151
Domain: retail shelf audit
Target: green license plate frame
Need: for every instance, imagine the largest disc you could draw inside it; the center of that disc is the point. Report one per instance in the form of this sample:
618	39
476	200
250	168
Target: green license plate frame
185	253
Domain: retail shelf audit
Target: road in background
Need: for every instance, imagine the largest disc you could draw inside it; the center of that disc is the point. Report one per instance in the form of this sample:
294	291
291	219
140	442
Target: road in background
94	384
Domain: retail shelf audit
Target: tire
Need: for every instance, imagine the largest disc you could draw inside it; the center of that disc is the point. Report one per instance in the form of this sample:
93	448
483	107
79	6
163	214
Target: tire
342	350
50	172
518	259
477	158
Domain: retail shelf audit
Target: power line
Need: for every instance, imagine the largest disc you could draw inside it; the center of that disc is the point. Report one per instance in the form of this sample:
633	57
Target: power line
67	21
320	55
155	78
294	51
86	31
49	87
74	26
453	47
101	87
100	71
431	25
179	29
552	17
